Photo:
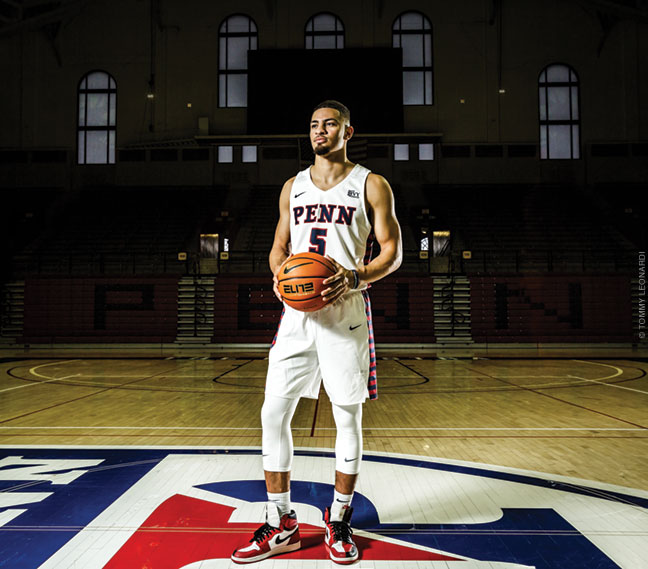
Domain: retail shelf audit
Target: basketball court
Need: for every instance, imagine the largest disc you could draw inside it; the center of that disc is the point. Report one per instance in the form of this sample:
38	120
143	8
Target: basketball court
495	461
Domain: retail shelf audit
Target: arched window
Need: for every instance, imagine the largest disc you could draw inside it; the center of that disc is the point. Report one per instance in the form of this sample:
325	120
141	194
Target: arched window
324	31
237	35
412	32
559	112
96	129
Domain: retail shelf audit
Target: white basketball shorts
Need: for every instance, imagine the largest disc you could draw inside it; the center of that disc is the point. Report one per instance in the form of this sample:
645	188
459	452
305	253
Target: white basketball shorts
329	345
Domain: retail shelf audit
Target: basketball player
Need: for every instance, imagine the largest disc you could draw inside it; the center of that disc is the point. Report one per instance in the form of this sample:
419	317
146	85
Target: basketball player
331	208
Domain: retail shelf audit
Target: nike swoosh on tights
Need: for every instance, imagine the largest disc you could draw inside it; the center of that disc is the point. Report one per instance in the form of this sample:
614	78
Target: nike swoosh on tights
279	541
350	459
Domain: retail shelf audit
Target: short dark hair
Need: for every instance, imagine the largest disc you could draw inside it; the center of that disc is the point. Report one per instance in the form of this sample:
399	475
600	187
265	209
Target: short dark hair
332	104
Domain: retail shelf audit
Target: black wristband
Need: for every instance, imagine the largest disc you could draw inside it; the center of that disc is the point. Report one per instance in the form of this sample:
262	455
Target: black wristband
356	278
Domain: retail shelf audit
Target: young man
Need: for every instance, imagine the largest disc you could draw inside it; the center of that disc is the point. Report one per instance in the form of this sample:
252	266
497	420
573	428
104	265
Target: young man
331	208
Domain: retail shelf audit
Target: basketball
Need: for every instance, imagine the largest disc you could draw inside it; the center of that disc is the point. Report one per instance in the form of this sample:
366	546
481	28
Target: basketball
300	280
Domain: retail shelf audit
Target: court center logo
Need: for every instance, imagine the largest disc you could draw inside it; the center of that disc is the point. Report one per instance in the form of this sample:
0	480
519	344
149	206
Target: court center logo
188	509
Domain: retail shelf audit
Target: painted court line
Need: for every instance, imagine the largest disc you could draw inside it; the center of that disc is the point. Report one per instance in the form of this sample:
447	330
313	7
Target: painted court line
118	428
610	384
45	377
602	380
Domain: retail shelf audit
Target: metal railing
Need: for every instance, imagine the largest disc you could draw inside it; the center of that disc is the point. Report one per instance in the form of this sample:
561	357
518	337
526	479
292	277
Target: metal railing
482	261
72	264
544	261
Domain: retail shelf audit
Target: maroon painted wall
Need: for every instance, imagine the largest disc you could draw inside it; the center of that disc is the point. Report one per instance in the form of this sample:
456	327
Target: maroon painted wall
138	309
246	309
548	308
543	308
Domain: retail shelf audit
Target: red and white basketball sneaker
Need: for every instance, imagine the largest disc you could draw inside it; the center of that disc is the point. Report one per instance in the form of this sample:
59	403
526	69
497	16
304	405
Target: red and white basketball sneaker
269	540
338	537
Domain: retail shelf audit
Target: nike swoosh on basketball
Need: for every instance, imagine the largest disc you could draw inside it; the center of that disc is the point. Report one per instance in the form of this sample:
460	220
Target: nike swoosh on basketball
354	327
279	541
288	269
299	194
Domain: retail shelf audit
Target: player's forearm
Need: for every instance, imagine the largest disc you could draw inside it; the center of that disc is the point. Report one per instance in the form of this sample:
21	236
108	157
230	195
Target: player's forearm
277	256
389	259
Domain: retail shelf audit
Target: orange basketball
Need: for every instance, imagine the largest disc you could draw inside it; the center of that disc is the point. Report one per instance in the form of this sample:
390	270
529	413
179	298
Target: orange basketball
300	280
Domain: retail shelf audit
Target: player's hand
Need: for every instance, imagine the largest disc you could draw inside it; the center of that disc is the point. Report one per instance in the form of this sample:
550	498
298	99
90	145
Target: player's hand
341	282
275	279
275	287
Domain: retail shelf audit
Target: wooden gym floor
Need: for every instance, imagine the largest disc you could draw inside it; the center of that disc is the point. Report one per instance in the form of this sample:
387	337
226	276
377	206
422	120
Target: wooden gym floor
576	417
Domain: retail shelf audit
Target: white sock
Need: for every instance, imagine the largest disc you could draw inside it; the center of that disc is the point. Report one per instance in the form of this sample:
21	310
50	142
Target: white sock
337	507
282	502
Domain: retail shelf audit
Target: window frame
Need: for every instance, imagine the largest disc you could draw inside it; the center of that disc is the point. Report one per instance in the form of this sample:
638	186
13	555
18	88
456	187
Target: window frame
401	152
108	128
544	85
226	72
398	32
339	35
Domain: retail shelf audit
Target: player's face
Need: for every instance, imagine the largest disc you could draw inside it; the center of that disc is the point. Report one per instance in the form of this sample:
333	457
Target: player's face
327	131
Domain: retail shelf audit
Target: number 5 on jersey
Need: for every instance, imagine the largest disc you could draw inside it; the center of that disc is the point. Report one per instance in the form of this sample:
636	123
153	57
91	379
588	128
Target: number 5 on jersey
318	241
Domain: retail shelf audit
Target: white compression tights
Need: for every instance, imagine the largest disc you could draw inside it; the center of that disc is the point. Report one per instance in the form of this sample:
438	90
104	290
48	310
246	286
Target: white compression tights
276	415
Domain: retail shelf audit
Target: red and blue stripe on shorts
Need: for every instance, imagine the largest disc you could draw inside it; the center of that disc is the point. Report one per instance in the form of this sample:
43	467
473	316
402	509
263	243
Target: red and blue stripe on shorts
274	340
373	377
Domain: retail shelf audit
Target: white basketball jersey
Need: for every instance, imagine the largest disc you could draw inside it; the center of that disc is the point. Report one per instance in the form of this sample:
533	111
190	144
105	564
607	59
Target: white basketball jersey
331	222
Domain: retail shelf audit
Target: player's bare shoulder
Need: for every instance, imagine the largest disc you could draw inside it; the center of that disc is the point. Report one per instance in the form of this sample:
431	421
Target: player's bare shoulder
288	184
379	192
284	198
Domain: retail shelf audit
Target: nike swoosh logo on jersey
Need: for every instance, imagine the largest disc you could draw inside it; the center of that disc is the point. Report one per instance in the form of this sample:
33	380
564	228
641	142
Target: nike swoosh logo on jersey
288	269
299	194
352	328
279	541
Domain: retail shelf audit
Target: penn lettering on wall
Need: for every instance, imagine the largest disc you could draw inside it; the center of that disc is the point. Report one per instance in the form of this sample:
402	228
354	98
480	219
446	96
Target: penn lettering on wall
144	300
